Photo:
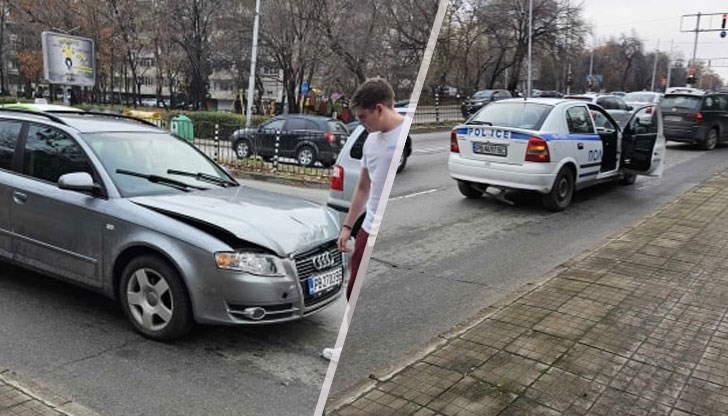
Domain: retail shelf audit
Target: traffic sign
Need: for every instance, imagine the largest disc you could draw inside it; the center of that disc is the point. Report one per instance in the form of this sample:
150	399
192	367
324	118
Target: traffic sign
304	88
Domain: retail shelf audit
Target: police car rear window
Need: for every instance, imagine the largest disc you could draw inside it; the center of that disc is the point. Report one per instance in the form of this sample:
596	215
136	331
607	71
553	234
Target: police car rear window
524	115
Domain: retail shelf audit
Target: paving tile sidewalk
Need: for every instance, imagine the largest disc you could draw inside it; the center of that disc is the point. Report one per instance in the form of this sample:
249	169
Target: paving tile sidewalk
637	326
24	398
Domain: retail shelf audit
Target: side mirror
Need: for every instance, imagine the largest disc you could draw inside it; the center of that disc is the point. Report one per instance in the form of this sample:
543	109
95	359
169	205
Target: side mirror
77	181
630	108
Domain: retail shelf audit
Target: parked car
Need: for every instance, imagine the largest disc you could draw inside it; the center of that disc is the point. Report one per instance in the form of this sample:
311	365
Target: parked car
54	108
308	139
551	146
128	210
481	98
696	117
346	172
614	105
619	94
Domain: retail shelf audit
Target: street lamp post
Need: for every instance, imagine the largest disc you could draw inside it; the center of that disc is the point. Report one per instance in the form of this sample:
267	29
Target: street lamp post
253	58
530	34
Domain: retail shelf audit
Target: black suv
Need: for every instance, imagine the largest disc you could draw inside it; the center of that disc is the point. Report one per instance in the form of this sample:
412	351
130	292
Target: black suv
308	139
694	116
481	98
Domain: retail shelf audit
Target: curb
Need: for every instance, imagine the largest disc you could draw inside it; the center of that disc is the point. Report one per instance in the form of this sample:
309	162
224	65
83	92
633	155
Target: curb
351	394
302	183
61	404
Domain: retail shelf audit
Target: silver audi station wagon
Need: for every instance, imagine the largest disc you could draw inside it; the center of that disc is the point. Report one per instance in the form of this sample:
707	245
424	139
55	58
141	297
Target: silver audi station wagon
126	209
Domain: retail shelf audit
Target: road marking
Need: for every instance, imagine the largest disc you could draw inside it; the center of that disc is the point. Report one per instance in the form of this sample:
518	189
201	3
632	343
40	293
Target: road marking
430	150
429	191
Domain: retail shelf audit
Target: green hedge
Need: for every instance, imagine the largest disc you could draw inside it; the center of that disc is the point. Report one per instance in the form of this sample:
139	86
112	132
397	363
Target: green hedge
204	122
8	99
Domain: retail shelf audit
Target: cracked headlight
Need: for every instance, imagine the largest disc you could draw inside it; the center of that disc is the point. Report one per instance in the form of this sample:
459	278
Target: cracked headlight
254	263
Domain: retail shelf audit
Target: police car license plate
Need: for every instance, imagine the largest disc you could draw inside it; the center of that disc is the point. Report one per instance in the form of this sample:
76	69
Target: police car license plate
673	118
490	149
323	281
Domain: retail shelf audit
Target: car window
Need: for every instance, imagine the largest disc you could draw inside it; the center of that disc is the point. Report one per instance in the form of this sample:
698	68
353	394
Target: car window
602	122
711	104
50	153
523	115
644	122
357	149
149	153
579	121
640	97
338	127
482	94
9	132
682	102
620	104
296	124
722	102
606	103
273	125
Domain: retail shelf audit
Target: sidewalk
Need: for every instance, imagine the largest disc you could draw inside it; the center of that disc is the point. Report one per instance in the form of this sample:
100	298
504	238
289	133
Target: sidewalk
637	326
24	398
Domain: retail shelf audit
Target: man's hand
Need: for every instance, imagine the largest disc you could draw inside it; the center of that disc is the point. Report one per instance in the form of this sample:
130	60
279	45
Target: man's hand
343	239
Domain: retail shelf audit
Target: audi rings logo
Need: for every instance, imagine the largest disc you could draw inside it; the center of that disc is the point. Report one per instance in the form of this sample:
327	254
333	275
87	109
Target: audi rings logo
323	261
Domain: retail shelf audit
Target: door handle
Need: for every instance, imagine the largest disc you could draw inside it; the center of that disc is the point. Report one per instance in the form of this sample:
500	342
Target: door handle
580	146
19	197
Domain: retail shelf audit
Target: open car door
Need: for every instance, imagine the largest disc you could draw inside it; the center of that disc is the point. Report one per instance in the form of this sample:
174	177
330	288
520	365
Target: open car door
643	142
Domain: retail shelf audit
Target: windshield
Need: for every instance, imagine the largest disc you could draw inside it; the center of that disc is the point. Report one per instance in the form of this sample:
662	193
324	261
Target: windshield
578	97
522	115
157	154
640	97
683	102
482	94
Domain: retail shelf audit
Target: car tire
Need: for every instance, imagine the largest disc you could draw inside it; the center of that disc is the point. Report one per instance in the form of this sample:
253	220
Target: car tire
559	198
402	162
155	299
711	140
469	191
628	179
306	155
242	149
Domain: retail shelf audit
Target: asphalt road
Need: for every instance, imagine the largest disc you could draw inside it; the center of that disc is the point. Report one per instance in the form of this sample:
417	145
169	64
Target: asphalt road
439	258
79	344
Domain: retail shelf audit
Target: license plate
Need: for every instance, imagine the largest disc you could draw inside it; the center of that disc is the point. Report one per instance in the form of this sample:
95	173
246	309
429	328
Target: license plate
321	282
490	149
673	118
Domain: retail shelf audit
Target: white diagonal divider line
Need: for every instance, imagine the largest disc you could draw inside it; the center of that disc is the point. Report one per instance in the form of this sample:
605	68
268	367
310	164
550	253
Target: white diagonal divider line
386	190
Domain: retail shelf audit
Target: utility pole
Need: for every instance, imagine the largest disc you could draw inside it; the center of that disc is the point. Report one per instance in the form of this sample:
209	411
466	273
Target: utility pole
654	67
253	58
669	64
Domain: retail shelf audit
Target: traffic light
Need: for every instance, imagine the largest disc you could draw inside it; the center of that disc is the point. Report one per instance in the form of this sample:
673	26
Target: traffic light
691	75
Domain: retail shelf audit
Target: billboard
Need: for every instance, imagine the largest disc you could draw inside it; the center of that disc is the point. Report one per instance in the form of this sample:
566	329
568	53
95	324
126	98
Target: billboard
68	60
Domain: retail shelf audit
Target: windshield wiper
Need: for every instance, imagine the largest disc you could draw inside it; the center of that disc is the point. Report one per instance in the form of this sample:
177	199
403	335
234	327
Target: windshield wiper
205	177
478	122
162	180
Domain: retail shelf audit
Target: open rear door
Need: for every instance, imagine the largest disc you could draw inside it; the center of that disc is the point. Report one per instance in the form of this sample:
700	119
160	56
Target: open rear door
643	142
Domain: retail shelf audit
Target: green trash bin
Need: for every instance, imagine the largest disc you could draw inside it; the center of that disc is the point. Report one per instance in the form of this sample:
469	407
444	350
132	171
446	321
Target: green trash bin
182	127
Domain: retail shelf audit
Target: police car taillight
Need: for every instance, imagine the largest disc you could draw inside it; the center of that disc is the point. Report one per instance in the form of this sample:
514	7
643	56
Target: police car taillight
454	148
537	150
337	179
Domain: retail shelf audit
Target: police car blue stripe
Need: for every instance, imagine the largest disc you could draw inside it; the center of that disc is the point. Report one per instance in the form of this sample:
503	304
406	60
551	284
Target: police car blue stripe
488	132
584	175
583	137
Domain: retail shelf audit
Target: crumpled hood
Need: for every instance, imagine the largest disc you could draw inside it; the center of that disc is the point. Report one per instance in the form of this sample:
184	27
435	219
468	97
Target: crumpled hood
274	221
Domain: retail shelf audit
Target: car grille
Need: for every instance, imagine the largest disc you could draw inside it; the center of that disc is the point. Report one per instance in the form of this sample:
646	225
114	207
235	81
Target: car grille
305	268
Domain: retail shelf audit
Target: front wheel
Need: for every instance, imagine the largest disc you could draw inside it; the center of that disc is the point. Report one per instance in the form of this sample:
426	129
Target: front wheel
469	190
560	196
155	299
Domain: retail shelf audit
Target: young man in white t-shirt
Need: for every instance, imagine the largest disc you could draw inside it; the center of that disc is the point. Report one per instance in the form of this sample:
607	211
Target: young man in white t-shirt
373	104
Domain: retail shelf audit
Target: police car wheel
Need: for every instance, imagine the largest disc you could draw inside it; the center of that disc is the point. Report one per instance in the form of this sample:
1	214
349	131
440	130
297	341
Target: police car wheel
560	196
628	179
469	191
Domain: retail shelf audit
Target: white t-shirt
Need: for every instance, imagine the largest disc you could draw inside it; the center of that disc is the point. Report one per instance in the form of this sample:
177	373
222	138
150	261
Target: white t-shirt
377	157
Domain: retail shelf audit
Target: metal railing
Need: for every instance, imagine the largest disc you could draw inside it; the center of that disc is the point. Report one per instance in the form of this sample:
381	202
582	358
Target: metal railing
439	109
298	154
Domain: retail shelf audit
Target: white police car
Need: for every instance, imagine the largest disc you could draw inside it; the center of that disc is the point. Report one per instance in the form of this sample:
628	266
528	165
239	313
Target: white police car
552	146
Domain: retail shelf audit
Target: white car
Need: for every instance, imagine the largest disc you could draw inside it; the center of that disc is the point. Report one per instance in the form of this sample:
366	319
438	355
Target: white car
552	146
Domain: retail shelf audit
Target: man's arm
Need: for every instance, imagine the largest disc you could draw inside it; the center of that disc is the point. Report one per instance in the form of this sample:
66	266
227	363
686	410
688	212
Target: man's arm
358	202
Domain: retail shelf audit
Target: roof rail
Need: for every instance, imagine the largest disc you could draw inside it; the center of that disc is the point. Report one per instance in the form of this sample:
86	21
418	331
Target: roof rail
35	113
115	115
